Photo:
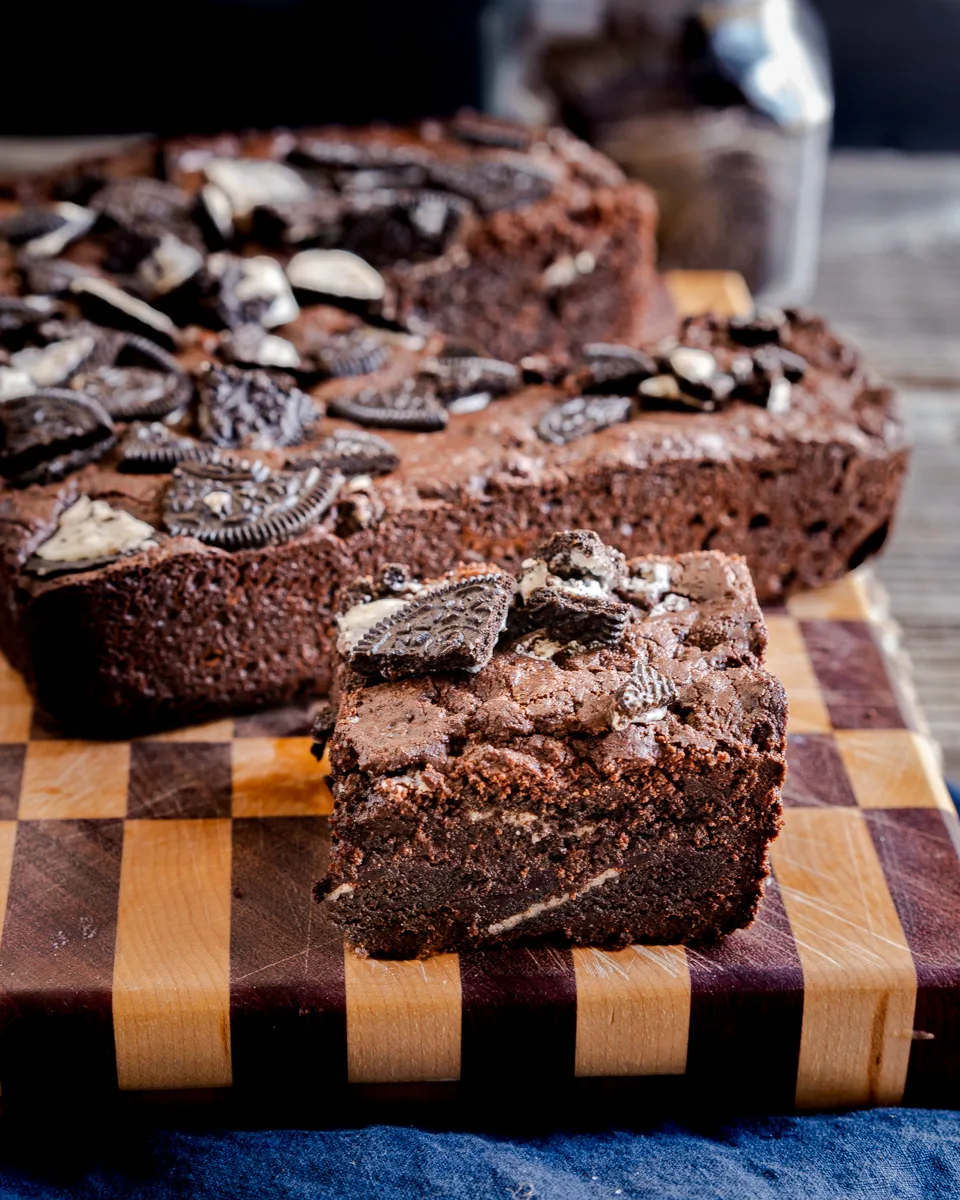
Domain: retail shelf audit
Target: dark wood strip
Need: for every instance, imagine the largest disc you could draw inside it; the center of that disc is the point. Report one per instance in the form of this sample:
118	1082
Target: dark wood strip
519	1016
853	676
918	849
746	1012
815	774
287	999
56	958
11	777
179	780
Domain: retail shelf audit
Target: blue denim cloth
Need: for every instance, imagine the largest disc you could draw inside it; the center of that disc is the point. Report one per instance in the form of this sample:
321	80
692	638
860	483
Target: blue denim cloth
881	1155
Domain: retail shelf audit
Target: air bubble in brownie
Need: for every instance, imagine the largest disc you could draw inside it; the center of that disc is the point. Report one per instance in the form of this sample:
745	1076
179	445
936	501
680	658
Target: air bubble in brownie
236	506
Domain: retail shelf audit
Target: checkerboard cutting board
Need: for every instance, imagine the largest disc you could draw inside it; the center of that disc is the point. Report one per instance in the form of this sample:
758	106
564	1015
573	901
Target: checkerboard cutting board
158	930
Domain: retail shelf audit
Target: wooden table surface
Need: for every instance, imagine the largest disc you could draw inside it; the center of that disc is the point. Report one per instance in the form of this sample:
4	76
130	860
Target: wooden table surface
890	278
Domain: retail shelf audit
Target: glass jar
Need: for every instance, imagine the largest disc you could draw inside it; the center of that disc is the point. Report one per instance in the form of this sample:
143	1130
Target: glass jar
723	106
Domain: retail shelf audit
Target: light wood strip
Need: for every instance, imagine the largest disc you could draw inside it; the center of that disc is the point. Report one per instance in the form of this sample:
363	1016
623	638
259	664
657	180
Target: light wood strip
633	1011
211	731
16	705
846	600
74	779
8	837
278	777
787	658
859	978
171	981
403	1019
892	768
723	292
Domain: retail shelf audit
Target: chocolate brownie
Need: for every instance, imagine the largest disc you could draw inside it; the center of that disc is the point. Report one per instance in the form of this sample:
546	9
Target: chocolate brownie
449	225
216	539
599	766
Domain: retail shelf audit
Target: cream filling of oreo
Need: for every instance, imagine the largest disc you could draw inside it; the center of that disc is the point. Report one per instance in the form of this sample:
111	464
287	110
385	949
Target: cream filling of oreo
536	575
15	383
652	581
344	889
217	203
336	273
619	721
92	529
76	222
249	183
357	621
262	278
92	285
170	265
50	365
671	603
542	906
268	350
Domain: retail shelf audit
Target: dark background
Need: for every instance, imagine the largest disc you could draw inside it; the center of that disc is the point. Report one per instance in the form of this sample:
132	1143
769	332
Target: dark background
204	65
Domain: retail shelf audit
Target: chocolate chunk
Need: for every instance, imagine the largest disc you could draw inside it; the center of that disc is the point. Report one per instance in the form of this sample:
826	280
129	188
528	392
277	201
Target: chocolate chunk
106	304
475	129
762	328
238	506
458	376
357	352
151	449
575	418
256	409
495	183
355	452
324	719
613	368
643	698
49	433
409	406
452	627
569	616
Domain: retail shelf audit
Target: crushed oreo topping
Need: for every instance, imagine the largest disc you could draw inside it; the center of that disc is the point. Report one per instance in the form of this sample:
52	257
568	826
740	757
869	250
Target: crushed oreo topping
21	315
590	620
49	433
410	406
245	291
543	368
134	379
496	182
252	409
581	415
643	699
90	533
457	376
75	222
249	183
151	208
30	223
609	367
356	352
252	346
475	129
236	506
579	560
763	327
451	627
356	452
53	364
109	305
151	449
338	274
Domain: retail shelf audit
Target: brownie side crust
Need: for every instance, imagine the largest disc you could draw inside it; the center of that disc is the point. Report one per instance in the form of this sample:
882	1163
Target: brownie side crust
485	809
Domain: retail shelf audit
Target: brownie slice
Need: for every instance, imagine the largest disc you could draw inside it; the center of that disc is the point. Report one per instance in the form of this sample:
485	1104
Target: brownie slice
766	438
594	782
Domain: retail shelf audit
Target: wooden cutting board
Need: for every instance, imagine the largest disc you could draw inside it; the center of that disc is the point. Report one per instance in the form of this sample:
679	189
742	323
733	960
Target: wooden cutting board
158	929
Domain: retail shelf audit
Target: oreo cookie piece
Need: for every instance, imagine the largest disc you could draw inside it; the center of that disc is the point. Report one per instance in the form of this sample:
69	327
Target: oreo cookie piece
644	698
50	433
237	506
253	409
495	183
576	559
409	406
451	627
21	316
248	291
53	364
106	304
90	534
580	415
153	449
146	207
577	616
544	368
51	276
335	276
763	328
134	379
252	346
457	376
74	222
357	352
475	129
29	223
385	226
614	369
355	452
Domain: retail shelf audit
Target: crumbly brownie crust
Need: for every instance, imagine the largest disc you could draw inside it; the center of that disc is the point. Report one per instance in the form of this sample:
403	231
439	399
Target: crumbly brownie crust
531	801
